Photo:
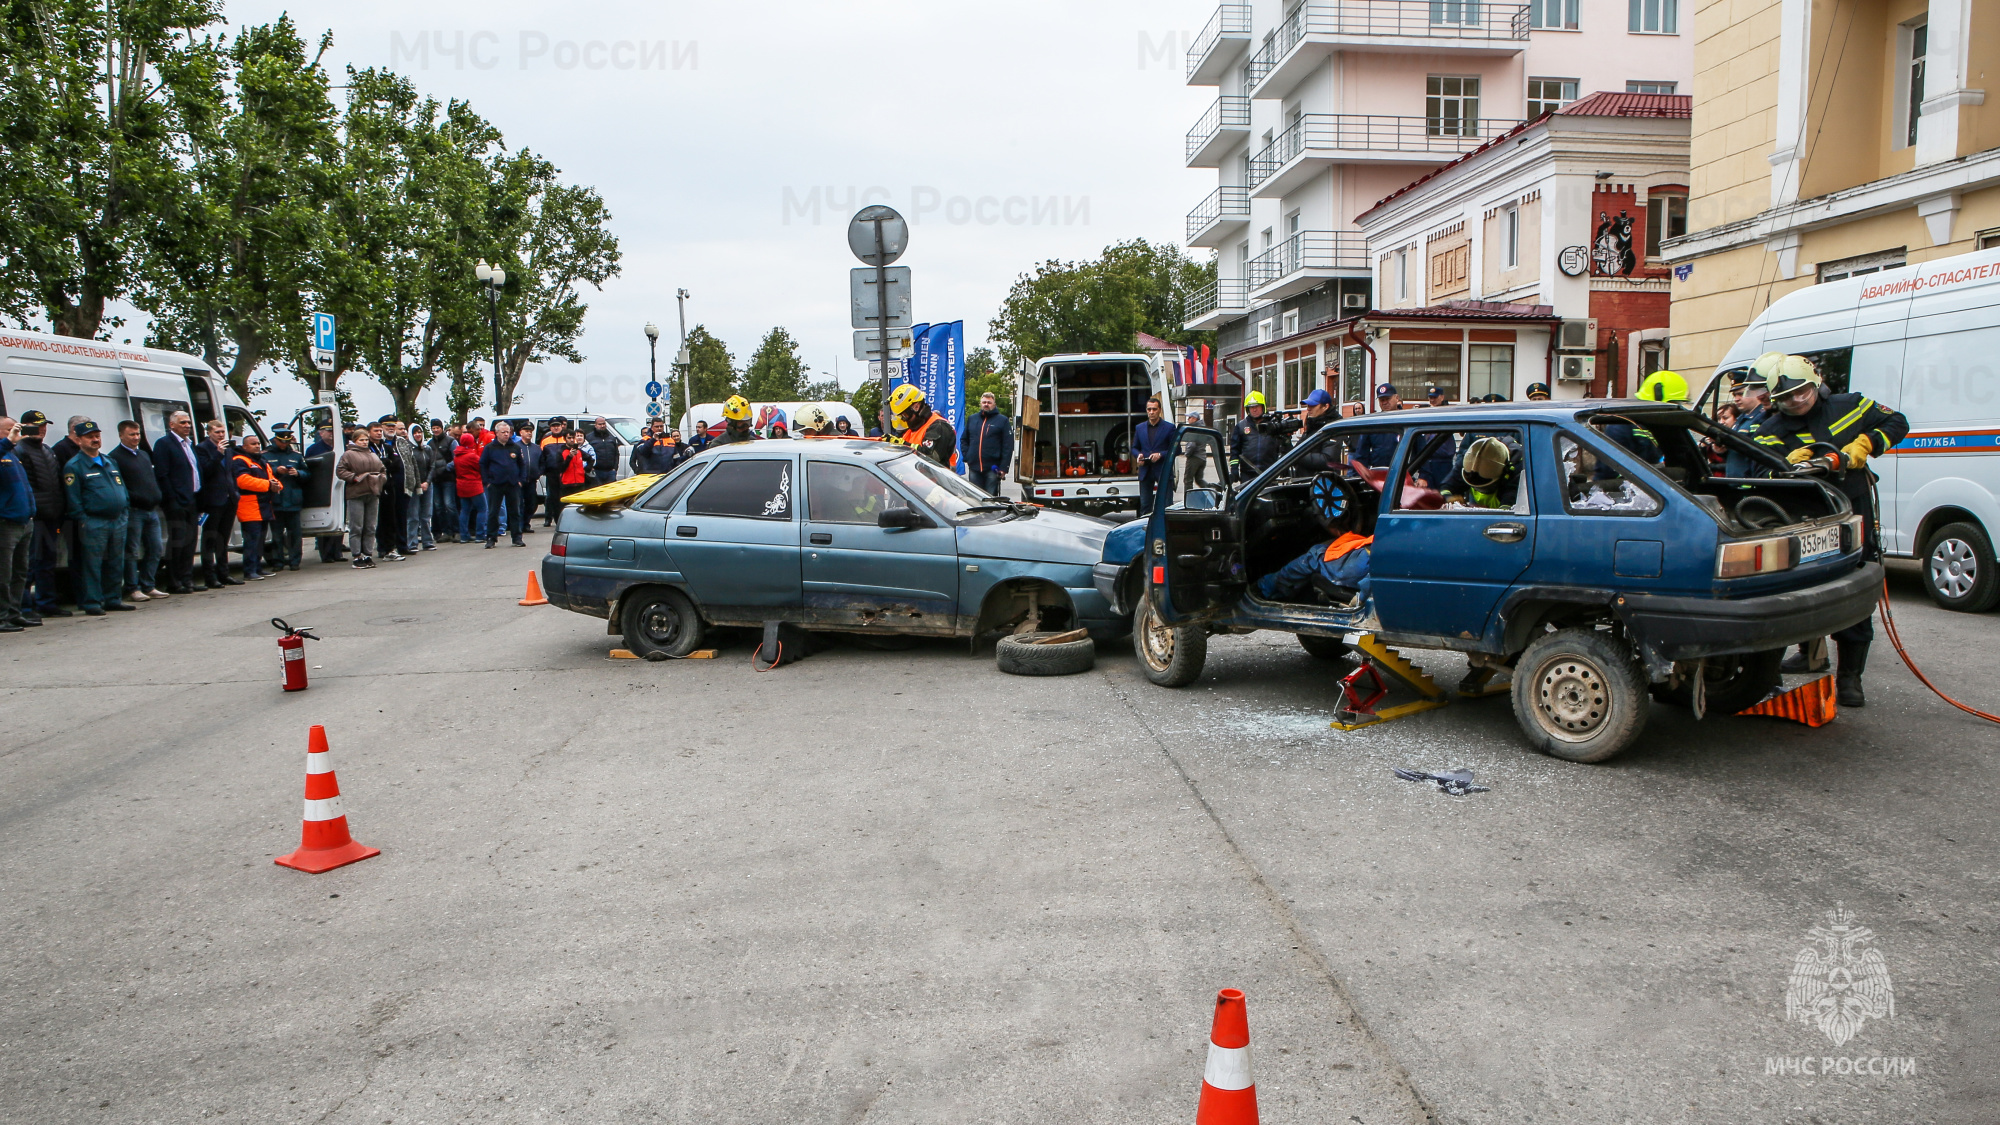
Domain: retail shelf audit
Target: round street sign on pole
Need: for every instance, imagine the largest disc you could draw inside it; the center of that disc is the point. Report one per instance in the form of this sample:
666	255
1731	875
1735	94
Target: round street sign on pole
655	410
654	389
862	233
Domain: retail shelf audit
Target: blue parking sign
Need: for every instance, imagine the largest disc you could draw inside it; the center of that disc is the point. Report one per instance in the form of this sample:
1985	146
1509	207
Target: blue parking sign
323	336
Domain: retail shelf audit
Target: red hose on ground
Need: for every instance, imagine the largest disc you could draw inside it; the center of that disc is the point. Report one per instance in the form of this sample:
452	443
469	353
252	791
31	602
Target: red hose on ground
1889	627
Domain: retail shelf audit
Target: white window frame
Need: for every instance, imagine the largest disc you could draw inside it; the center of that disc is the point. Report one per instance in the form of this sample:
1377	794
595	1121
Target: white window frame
1403	274
1291	322
1909	79
1645	86
1565	93
1564	13
1464	124
1511	242
1264	331
1663	15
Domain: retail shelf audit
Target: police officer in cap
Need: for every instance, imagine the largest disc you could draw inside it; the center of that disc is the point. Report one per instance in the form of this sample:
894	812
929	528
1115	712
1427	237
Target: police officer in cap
1836	434
99	502
1538	392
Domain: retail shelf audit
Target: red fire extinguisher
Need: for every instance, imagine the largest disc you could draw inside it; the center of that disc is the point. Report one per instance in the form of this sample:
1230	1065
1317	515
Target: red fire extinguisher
292	652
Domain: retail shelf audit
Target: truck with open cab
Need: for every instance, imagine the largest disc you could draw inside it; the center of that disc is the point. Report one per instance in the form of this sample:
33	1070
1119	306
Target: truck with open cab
1607	577
1075	414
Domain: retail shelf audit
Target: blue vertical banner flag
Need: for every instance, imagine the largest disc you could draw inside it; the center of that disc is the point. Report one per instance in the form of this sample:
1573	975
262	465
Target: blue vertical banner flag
918	338
952	381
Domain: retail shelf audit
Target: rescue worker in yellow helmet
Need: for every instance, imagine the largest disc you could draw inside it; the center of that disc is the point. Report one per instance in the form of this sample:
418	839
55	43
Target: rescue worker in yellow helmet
1834	433
1664	386
736	422
1258	438
924	430
1490	467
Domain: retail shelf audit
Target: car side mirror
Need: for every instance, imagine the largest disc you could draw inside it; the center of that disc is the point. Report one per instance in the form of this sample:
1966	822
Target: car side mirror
901	517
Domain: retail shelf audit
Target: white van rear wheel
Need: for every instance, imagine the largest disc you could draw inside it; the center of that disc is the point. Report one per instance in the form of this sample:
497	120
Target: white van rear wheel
1959	570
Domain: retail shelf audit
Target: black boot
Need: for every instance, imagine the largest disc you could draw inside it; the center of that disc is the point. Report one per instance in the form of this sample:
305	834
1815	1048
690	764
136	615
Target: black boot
1847	681
1810	657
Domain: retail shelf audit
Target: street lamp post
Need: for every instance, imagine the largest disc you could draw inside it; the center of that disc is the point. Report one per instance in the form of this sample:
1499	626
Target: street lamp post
653	353
681	358
493	279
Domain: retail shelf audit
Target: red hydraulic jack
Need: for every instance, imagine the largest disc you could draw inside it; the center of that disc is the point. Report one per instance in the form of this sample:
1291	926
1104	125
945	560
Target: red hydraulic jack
1357	710
292	651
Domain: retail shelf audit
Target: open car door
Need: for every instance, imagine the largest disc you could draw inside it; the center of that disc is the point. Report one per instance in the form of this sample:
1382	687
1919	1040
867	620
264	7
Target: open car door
1194	540
325	511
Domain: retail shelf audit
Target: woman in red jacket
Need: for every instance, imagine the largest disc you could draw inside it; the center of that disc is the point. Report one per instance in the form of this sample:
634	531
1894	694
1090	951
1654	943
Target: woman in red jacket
257	486
471	489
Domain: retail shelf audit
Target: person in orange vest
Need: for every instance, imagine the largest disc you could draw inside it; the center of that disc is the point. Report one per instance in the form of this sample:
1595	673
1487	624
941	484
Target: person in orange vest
924	430
1339	568
257	488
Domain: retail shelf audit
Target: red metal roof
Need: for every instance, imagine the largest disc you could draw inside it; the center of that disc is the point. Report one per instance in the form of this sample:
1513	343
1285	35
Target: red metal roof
1604	103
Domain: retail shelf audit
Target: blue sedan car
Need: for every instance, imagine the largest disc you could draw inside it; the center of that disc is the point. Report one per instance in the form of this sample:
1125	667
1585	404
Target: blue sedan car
1602	561
830	535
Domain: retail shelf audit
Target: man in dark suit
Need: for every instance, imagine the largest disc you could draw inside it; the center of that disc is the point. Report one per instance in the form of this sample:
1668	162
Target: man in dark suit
217	501
175	468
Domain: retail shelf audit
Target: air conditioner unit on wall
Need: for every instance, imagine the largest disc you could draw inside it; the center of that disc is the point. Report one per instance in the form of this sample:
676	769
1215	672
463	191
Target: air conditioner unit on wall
1577	335
1354	301
1576	368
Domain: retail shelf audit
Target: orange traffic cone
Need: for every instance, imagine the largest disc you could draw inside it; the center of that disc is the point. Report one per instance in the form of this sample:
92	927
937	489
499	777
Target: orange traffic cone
534	594
1813	704
1228	1097
323	841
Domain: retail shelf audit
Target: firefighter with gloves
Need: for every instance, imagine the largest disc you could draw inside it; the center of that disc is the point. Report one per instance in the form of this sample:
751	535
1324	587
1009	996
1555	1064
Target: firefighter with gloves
924	429
1833	435
1338	569
736	422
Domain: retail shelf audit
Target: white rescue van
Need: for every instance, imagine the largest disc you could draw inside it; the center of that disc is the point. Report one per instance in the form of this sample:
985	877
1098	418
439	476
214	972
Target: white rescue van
62	376
1925	340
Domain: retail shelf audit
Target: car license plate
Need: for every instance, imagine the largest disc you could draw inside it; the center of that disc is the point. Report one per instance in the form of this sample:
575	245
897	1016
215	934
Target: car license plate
1819	544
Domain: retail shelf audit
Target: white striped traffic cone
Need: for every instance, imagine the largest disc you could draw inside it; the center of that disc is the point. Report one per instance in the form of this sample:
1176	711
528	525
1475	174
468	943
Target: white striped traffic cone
1228	1096
323	840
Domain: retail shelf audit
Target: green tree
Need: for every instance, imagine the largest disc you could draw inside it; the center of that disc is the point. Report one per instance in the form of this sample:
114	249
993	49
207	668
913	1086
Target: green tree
555	239
1100	305
775	373
466	390
229	256
711	374
867	401
97	100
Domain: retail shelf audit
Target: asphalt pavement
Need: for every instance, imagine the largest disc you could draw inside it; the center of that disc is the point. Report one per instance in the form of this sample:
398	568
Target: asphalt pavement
900	886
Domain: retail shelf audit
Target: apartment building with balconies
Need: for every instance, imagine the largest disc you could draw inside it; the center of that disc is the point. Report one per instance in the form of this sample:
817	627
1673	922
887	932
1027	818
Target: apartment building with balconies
1323	109
1831	138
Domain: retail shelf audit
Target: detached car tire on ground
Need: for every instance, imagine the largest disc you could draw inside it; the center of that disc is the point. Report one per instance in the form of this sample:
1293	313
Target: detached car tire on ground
1033	654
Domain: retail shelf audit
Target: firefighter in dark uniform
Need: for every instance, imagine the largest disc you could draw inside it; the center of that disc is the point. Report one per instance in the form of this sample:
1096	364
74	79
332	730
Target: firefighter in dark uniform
1804	420
735	422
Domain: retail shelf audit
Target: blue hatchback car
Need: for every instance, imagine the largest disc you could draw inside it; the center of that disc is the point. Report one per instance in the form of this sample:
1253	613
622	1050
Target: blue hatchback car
1607	560
833	535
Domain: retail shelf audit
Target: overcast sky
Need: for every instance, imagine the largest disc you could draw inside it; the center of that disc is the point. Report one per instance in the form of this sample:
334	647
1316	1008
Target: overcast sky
736	139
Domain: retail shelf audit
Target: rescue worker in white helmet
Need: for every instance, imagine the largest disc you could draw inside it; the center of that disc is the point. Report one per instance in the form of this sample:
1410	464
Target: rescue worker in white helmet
924	430
1834	434
811	422
1490	468
736	422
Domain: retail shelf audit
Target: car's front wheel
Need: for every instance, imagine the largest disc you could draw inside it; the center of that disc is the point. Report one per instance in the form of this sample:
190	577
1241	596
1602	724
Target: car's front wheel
1959	568
1170	655
660	621
1326	648
1580	695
